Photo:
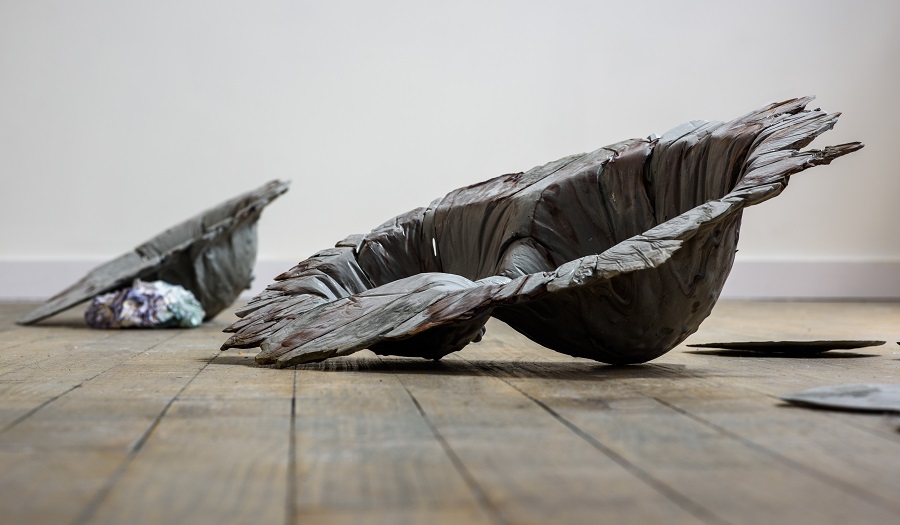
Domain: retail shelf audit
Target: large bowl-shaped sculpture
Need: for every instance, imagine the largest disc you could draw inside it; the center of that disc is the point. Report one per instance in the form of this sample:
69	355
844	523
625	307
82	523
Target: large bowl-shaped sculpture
615	255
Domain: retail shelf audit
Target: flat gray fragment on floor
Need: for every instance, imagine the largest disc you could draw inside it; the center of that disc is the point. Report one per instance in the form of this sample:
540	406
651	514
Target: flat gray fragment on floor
795	348
858	397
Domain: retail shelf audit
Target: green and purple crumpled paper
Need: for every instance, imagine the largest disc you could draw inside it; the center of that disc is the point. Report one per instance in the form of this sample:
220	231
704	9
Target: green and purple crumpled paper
155	304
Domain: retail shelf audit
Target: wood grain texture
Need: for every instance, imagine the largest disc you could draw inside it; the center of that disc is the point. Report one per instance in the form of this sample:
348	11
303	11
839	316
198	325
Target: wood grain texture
159	427
774	471
226	437
211	254
532	468
399	472
87	416
616	255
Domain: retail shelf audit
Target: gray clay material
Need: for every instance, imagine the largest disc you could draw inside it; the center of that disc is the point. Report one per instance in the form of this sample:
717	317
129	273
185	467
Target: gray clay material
615	255
211	254
862	397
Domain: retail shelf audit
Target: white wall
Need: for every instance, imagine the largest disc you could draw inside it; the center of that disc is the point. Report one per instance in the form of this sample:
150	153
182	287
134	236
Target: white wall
118	119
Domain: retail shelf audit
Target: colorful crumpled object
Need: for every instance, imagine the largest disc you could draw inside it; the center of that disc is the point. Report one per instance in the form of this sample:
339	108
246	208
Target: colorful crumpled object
212	254
155	304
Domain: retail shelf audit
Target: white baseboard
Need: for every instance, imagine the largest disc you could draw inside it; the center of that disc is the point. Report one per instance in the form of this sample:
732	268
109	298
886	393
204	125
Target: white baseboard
783	279
812	279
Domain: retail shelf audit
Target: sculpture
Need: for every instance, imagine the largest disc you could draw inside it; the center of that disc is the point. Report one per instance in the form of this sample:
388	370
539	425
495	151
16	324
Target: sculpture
211	254
615	255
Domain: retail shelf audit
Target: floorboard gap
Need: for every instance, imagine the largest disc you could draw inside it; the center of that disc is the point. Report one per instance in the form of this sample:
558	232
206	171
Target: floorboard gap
477	491
291	505
685	503
38	408
91	508
791	463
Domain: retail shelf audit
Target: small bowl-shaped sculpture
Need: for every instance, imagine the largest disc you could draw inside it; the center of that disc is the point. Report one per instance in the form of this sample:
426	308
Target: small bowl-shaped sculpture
211	255
615	255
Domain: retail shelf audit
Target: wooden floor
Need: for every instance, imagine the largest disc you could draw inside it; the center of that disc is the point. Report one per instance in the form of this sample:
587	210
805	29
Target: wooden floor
129	427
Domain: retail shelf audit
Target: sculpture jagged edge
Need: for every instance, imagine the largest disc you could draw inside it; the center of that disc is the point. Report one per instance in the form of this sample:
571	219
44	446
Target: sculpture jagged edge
336	302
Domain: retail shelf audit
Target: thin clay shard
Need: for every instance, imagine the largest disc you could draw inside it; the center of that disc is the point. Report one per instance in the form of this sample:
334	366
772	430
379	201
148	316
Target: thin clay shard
789	348
615	255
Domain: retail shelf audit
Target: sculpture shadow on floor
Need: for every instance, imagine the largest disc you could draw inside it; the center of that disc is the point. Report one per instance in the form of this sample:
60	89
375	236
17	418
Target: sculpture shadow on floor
463	367
69	323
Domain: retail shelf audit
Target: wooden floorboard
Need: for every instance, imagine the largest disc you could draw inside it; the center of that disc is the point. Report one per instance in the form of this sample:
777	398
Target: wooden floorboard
532	469
364	451
644	417
225	437
108	427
